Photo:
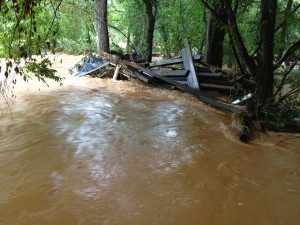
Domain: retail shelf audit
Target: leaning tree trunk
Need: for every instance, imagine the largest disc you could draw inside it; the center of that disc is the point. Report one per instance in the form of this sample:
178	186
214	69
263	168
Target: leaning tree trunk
215	34
151	7
265	76
102	26
245	61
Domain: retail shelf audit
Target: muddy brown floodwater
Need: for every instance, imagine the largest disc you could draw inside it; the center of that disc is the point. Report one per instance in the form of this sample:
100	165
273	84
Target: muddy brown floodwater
97	152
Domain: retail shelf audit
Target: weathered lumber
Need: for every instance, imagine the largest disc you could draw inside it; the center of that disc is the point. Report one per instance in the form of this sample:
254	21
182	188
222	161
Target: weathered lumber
246	84
216	86
184	73
116	73
177	78
189	65
211	67
183	80
141	77
172	73
174	61
206	85
206	74
197	93
217	81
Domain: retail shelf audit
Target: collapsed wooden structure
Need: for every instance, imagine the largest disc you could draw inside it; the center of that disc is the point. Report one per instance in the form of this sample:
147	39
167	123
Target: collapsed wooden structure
193	75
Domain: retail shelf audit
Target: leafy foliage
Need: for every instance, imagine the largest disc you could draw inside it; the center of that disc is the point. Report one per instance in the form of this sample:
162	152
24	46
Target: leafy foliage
26	30
42	70
75	27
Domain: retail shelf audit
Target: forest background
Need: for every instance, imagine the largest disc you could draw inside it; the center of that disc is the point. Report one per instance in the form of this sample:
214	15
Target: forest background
257	39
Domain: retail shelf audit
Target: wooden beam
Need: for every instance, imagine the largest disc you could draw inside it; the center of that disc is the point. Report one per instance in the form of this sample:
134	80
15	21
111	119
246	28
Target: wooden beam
198	94
217	81
217	86
206	74
189	65
141	77
182	82
174	61
178	78
184	73
210	84
211	67
172	73
246	84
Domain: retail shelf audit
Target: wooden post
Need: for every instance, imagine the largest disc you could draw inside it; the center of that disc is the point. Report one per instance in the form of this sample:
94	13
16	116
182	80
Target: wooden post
118	67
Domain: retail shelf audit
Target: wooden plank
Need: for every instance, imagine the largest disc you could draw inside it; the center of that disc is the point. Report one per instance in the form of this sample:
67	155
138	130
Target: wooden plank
184	73
172	73
166	62
217	81
141	77
189	65
217	86
174	61
181	78
197	93
246	84
211	67
182	82
204	74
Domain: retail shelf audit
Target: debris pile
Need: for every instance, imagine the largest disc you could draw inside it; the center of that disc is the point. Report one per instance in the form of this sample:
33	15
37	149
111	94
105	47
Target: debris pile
188	73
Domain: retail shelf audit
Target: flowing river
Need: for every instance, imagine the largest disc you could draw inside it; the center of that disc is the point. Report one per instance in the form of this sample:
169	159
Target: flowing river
98	152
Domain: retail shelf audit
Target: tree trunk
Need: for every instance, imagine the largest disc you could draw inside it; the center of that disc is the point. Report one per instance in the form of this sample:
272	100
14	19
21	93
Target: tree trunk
215	34
284	29
246	62
151	7
101	26
265	76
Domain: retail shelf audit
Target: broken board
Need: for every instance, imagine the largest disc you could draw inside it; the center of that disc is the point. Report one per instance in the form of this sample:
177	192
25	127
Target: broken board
197	93
189	65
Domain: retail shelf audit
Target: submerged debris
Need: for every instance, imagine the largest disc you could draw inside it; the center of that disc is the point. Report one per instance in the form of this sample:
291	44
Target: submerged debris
188	73
90	65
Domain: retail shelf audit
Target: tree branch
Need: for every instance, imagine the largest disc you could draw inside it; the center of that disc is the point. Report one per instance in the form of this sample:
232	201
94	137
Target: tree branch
284	78
237	38
287	95
287	18
287	54
236	56
210	8
55	9
121	32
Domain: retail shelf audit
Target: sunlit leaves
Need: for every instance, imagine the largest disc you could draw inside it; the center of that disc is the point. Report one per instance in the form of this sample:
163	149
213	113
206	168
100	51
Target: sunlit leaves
76	28
42	70
26	29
